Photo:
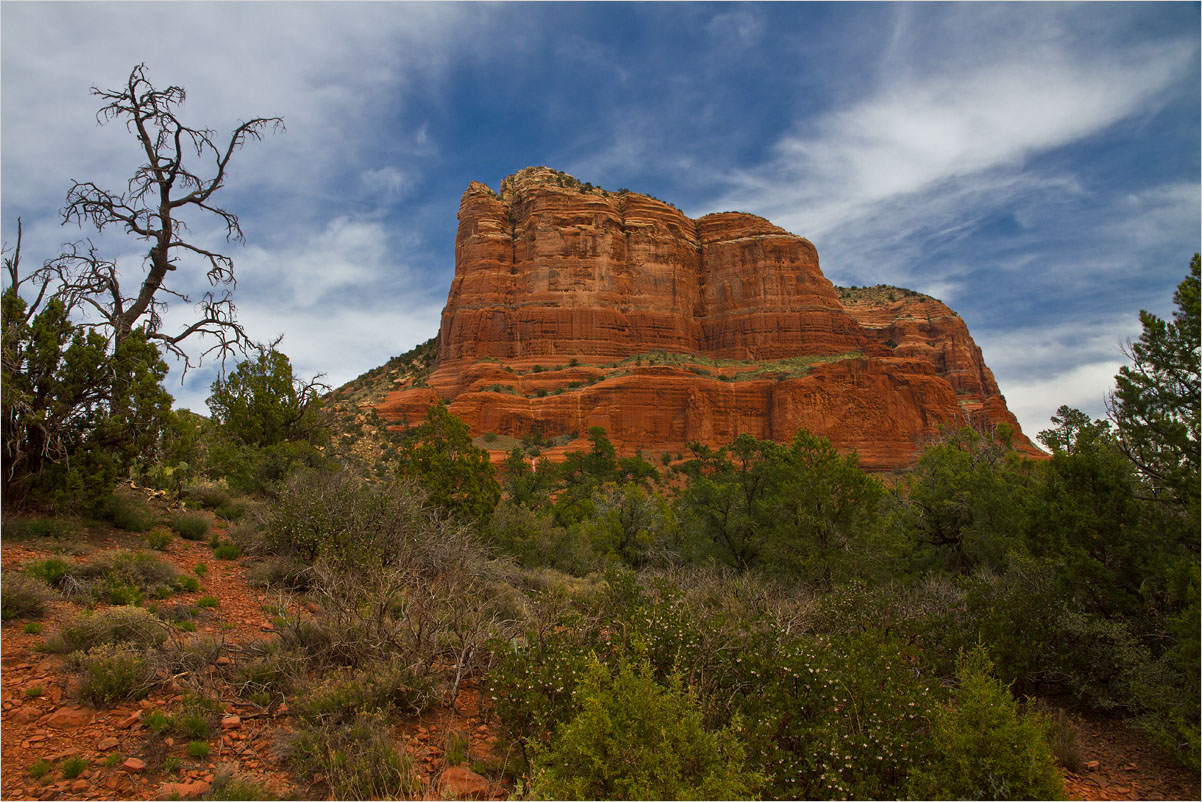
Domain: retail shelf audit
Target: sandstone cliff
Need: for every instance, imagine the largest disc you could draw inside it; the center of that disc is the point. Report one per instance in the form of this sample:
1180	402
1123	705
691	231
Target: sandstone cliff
574	307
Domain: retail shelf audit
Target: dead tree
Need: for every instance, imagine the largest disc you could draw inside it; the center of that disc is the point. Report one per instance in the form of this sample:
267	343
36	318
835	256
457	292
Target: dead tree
184	168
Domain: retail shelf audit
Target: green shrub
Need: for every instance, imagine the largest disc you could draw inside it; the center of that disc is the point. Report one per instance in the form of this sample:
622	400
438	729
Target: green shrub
111	672
198	749
34	692
189	584
209	495
73	766
40	768
200	569
984	748
23	596
249	537
226	551
116	625
456	748
270	673
128	513
379	686
32	628
231	511
52	571
636	739
356	758
157	721
190	527
197	719
194	655
123	576
171	764
55	528
230	784
206	601
1064	741
158	540
284	573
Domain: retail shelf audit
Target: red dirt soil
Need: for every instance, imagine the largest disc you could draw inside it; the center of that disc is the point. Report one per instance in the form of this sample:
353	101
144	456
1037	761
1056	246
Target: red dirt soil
30	731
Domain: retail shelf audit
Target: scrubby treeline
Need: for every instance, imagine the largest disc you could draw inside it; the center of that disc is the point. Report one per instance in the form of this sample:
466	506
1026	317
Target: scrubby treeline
761	619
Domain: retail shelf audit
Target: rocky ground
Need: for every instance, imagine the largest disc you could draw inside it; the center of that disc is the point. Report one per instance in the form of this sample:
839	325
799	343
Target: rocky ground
43	720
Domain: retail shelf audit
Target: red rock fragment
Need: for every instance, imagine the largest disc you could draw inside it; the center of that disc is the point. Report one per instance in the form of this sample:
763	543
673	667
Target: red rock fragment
105	744
68	718
134	765
189	790
463	783
24	715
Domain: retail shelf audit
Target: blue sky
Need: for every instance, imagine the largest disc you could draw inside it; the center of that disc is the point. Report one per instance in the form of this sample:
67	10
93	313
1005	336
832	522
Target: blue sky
1035	166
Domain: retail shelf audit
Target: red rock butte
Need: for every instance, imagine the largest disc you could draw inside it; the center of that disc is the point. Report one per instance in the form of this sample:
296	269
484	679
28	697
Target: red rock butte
574	307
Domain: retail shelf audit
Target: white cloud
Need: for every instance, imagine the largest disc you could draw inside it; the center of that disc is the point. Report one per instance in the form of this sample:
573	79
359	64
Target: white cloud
934	132
1085	387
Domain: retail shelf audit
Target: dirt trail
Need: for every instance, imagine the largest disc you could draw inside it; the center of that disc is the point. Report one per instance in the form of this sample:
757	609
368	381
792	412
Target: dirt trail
1119	763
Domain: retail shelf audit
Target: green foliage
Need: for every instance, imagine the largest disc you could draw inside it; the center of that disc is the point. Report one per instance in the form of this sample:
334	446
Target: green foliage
230	784
268	422
115	625
636	739
129	513
386	686
533	539
967	499
209	495
439	456
157	721
627	524
122	577
32	628
985	748
198	749
74	415
356	758
828	719
55	528
110	672
190	527
197	719
826	509
456	748
40	768
533	684
1156	399
527	484
52	571
73	766
158	540
22	595
260	403
227	551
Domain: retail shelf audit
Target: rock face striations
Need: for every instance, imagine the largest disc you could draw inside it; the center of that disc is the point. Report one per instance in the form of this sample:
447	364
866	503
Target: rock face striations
573	307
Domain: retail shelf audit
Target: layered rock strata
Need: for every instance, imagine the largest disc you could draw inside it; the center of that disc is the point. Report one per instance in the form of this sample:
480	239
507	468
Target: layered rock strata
573	307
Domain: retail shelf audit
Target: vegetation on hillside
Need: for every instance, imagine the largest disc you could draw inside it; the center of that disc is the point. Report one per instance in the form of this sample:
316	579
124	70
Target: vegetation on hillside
762	619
